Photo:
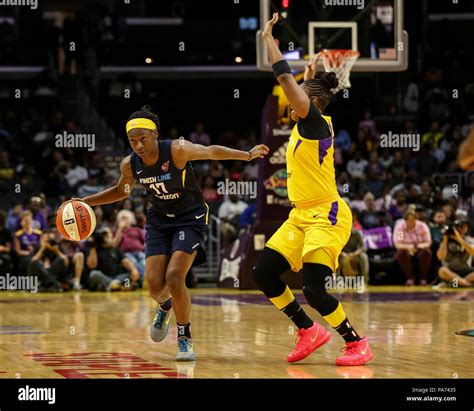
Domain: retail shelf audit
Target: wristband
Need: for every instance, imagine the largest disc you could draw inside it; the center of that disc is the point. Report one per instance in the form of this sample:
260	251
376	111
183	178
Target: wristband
281	67
250	156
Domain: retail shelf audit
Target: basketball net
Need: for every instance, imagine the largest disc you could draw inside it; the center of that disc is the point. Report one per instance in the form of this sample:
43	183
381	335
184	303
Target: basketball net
340	61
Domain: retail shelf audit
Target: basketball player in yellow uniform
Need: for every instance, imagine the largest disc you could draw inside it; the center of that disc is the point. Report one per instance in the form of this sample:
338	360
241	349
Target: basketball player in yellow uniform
319	225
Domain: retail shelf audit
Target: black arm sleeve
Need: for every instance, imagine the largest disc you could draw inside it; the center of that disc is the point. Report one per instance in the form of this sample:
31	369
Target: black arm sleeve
313	126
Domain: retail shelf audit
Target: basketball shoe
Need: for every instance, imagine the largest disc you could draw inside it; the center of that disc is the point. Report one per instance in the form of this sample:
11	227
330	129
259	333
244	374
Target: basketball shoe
307	341
185	350
355	353
160	326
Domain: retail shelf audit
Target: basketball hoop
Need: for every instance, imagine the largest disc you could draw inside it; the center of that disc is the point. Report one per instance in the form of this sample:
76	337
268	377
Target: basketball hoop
340	61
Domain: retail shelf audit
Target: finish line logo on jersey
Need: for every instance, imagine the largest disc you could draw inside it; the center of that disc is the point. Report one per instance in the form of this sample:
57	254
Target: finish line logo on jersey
155	179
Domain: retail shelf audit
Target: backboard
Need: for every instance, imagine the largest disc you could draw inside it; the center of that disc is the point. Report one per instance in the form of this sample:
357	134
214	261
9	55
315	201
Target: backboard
372	27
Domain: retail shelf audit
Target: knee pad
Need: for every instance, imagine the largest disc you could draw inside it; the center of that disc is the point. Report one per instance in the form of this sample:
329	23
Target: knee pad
266	274
314	288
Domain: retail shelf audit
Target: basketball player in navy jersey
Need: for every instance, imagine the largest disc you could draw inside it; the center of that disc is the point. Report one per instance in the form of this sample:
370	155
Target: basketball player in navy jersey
177	220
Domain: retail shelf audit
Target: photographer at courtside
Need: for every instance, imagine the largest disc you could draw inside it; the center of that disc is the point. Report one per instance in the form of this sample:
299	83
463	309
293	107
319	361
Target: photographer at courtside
110	269
49	264
455	252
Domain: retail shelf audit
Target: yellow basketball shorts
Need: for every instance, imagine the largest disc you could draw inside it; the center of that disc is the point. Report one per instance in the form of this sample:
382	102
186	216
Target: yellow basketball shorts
314	235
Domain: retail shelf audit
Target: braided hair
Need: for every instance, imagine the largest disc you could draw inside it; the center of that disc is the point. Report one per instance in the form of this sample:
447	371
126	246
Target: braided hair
145	112
321	87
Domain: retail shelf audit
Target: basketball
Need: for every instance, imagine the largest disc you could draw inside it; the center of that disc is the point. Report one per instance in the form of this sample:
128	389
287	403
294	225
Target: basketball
75	220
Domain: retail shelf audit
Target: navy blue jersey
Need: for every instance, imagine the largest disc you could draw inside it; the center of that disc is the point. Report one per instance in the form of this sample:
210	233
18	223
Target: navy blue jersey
174	191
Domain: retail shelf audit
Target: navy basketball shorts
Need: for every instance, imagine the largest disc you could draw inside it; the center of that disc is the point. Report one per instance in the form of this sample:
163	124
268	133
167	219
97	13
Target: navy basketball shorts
167	233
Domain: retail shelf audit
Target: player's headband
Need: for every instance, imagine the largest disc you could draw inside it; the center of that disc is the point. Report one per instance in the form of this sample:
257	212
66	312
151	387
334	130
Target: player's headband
140	123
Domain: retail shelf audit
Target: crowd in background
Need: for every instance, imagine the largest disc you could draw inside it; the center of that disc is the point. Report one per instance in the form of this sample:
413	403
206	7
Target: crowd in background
407	195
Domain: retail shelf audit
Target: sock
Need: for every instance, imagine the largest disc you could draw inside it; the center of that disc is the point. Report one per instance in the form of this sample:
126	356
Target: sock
184	330
338	320
347	332
287	303
166	306
295	313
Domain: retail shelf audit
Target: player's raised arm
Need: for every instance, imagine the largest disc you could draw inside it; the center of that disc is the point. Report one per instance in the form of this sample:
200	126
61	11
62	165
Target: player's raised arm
466	152
296	96
184	151
118	192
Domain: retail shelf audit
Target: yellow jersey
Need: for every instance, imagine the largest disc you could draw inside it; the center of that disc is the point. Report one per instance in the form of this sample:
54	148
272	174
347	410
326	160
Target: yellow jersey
311	175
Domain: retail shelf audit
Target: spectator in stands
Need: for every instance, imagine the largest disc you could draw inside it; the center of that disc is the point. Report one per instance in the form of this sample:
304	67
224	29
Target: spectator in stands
229	213
26	240
450	212
38	212
397	170
237	171
248	217
455	252
217	171
5	246
374	182
433	136
343	140
357	165
426	196
251	171
7	172
410	101
369	124
76	174
426	162
131	240
91	186
343	184
209	191
421	213
353	259
412	239
49	264
14	216
199	136
398	209
371	217
99	218
409	187
437	106
75	257
110	269
437	224
386	160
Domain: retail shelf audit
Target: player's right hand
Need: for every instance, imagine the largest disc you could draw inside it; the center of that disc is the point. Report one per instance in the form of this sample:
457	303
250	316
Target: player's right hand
259	151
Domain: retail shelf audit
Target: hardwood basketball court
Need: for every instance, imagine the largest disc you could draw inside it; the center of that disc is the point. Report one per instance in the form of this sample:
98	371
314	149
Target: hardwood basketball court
237	334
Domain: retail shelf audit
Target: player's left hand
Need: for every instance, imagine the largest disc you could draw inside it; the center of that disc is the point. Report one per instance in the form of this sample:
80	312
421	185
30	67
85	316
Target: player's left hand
259	151
310	69
267	31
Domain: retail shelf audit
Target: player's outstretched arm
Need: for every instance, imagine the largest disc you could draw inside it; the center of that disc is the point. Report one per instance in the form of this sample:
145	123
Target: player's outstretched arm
184	151
118	192
298	99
